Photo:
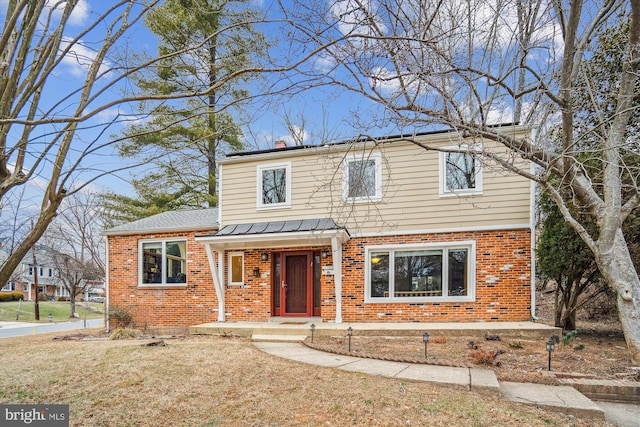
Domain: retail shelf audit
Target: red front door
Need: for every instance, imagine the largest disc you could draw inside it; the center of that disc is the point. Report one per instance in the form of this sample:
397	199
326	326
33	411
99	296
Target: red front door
297	285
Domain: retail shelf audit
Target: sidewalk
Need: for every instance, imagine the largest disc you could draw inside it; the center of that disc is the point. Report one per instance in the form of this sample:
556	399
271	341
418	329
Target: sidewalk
563	399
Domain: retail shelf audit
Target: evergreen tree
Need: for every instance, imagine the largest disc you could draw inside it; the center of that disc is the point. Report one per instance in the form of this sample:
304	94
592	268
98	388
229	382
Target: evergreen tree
182	140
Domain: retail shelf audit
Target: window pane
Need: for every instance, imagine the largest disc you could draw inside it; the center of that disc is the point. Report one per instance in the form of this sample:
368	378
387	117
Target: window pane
274	186
152	262
276	260
418	273
236	269
362	178
176	262
458	259
379	262
460	171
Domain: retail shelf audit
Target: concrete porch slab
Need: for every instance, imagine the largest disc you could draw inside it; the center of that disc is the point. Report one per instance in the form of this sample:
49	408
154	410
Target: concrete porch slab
563	399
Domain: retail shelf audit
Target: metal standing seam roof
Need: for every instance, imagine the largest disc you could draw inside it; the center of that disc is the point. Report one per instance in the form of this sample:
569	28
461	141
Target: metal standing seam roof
180	220
271	227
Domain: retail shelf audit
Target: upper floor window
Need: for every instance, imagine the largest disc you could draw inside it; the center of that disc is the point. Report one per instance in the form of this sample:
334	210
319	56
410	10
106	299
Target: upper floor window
441	272
274	186
163	262
362	178
460	172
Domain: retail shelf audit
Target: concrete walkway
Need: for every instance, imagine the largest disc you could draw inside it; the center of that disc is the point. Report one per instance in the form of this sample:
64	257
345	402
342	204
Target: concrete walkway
563	399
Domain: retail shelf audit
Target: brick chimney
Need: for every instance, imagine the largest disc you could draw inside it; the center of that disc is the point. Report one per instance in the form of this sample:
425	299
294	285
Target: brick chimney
280	143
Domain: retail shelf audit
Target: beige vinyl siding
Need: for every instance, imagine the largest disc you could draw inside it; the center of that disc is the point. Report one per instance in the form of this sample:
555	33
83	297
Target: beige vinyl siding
410	192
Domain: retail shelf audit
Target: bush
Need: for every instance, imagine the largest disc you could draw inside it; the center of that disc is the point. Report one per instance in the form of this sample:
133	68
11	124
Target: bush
63	298
10	296
120	317
485	357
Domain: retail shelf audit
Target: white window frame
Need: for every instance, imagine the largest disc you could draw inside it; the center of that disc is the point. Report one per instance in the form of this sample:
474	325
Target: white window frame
230	257
261	168
163	273
442	173
377	157
470	245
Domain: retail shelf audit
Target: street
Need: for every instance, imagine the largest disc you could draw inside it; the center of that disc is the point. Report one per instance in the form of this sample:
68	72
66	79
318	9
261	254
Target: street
14	329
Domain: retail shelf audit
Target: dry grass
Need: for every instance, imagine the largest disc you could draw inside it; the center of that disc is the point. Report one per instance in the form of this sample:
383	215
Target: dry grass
227	381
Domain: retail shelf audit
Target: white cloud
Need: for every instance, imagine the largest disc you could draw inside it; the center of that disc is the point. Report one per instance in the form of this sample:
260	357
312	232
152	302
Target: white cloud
79	57
296	136
79	14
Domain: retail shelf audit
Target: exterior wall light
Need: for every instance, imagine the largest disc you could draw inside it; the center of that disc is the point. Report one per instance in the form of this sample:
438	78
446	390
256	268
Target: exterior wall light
264	256
325	254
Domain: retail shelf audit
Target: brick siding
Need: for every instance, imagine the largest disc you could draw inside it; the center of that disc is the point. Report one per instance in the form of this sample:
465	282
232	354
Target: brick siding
503	290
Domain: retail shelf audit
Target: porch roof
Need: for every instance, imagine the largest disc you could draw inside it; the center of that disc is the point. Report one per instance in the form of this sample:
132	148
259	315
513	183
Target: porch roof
289	233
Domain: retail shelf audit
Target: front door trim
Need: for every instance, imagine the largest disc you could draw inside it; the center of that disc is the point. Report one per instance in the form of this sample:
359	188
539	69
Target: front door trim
308	285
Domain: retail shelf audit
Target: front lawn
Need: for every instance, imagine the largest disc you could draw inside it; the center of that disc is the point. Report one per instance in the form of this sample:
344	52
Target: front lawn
59	310
224	381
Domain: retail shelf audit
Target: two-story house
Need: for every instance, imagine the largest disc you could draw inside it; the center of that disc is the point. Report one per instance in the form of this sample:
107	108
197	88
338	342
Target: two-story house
364	231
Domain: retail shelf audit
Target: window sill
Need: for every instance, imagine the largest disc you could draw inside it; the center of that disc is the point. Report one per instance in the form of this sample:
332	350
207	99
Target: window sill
162	286
274	207
422	300
461	194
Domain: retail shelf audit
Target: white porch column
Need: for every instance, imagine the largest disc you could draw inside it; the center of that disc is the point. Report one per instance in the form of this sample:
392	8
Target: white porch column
336	252
217	279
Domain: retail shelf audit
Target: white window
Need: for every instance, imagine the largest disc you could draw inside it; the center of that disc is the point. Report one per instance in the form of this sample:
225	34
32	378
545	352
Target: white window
421	273
460	172
274	186
236	268
362	178
9	287
163	262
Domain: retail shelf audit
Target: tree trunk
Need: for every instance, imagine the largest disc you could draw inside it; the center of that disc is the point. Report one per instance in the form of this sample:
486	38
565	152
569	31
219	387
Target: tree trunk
616	265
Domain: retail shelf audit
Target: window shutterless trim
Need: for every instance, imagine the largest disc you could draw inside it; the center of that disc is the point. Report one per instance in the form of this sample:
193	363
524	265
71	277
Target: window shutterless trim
470	245
163	284
377	158
442	171
230	256
259	186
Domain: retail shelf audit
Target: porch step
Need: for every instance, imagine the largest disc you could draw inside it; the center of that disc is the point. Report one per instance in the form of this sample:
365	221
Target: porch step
277	338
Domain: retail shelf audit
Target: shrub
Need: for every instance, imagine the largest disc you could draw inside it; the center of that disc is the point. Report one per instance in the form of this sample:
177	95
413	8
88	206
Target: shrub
124	333
516	344
441	339
120	317
485	357
6	296
568	337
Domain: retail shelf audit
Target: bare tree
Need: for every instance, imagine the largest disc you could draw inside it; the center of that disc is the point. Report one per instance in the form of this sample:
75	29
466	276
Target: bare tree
470	64
75	276
64	84
76	231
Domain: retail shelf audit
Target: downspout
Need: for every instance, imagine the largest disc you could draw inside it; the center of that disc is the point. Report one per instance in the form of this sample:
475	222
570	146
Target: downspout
336	251
106	288
532	219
